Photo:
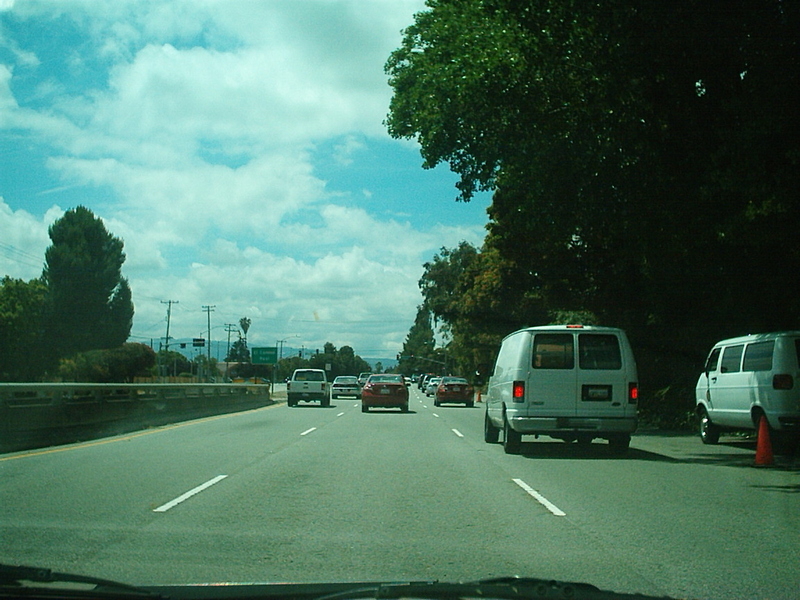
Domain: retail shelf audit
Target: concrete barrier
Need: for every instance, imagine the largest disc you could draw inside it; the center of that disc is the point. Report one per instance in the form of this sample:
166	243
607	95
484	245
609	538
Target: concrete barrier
43	414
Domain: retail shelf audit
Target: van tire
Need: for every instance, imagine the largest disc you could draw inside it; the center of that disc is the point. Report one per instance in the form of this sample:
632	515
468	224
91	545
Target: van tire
512	440
709	433
491	433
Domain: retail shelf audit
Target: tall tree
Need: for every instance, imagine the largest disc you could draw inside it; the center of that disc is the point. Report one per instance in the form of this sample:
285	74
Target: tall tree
239	352
244	323
643	156
88	304
419	345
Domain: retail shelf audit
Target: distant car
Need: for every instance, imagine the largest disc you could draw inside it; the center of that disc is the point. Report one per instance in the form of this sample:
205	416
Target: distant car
423	380
386	391
345	385
454	389
309	385
431	385
362	378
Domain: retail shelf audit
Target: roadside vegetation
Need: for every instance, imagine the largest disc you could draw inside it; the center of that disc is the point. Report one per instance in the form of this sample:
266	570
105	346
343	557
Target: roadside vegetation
643	159
71	323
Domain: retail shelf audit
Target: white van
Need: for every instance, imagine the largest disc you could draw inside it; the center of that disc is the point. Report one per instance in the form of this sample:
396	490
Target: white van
570	382
750	376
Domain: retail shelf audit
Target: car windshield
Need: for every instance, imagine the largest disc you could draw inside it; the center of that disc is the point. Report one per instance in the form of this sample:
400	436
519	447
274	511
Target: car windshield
220	218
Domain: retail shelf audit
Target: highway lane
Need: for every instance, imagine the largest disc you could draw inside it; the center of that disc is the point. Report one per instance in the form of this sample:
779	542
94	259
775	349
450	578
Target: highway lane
309	494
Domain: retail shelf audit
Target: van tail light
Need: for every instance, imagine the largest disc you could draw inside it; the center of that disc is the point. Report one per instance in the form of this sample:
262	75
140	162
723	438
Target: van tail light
633	393
518	391
782	381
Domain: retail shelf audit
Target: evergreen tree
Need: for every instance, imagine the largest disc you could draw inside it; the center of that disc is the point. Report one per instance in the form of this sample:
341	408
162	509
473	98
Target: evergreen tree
88	304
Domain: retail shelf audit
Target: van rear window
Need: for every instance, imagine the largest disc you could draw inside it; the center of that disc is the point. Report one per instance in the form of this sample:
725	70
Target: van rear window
553	351
309	376
599	352
758	356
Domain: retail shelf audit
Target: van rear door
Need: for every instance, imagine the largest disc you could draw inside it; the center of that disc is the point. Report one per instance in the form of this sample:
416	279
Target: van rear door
603	376
553	376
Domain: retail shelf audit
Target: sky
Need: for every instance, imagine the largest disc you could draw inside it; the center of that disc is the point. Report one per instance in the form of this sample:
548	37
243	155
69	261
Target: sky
237	147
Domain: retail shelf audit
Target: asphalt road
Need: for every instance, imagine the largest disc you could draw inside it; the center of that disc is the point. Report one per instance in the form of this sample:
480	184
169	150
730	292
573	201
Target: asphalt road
312	494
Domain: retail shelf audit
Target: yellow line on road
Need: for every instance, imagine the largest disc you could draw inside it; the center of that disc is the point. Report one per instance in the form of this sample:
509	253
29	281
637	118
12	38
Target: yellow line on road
123	438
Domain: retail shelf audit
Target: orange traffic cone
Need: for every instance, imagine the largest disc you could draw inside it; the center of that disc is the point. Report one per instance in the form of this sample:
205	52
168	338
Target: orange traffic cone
478	396
764	456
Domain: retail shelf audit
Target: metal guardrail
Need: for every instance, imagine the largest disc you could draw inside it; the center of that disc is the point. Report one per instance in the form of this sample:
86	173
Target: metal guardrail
49	394
36	414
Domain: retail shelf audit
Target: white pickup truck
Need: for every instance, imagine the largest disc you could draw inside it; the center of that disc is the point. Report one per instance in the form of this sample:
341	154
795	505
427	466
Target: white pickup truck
308	385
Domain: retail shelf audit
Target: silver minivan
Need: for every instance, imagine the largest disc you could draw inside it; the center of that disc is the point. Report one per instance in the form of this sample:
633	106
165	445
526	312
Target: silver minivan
570	382
747	377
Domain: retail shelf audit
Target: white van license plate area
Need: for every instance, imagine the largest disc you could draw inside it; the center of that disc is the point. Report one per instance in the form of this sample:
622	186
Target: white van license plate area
596	393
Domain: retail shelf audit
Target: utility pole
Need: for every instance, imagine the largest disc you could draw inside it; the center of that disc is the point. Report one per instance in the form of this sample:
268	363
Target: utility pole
209	310
169	304
230	328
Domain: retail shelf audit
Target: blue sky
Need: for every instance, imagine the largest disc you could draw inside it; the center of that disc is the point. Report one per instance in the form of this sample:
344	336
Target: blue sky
238	150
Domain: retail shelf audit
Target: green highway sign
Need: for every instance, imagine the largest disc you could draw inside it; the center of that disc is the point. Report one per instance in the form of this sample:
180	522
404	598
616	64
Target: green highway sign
264	356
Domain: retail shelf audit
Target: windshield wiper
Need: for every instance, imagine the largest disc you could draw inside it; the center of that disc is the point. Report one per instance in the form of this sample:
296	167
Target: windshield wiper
23	580
506	588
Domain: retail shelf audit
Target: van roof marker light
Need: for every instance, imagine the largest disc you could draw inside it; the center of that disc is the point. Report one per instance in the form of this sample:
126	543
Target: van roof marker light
574	326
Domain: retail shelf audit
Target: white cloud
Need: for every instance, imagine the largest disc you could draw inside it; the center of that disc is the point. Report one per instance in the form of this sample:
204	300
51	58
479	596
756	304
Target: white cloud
202	140
23	241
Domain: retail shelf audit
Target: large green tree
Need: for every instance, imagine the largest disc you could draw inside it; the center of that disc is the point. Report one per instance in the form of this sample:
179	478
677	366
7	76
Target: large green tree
88	304
643	155
21	339
343	361
631	145
419	345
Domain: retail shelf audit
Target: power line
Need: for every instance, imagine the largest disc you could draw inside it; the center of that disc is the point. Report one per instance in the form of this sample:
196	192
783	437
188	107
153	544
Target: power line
20	256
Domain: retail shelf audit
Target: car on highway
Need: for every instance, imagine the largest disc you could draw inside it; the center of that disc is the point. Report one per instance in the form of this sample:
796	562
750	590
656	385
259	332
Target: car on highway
749	377
198	199
423	379
308	385
345	385
569	382
431	384
385	390
454	390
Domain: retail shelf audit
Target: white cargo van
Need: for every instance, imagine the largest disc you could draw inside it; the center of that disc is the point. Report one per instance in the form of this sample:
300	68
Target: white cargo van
569	382
750	376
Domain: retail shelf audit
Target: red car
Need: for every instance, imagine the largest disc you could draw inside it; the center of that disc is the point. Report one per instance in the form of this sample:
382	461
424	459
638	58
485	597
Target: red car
454	389
385	390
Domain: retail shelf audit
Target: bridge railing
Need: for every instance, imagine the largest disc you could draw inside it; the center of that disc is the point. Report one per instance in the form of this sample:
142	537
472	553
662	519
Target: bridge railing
39	414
